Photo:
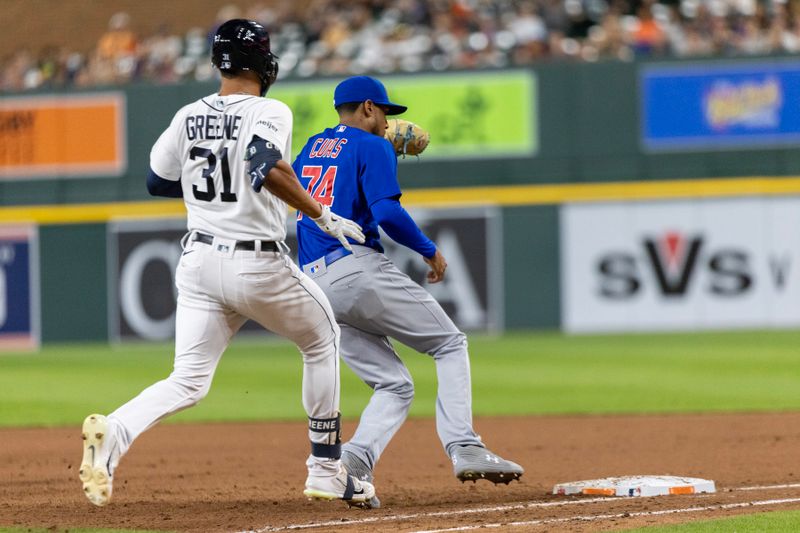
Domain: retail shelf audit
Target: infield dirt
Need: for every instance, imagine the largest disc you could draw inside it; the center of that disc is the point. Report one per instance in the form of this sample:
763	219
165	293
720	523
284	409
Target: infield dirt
234	477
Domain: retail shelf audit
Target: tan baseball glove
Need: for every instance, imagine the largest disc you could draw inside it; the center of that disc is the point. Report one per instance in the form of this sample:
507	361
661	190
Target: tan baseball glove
407	137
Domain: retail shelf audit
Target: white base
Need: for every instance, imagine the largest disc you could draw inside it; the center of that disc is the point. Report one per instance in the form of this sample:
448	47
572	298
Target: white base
636	486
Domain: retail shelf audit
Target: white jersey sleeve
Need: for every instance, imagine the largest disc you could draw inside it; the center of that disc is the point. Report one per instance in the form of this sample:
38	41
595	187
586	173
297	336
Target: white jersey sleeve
275	126
164	158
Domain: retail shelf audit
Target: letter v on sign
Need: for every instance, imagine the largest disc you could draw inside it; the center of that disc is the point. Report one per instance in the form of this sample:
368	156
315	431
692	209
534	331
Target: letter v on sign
673	261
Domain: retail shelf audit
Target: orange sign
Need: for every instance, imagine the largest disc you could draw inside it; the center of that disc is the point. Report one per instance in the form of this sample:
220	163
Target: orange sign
58	136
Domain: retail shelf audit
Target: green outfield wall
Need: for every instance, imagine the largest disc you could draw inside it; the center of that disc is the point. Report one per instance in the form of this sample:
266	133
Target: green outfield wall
573	196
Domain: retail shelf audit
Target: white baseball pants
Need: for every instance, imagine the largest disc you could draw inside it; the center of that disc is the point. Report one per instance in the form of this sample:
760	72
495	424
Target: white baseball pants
219	288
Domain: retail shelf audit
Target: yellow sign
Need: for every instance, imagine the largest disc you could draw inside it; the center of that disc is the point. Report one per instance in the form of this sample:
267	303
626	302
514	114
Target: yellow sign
469	115
57	136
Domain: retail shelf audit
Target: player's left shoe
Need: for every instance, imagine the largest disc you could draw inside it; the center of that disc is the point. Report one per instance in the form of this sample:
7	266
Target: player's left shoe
472	462
342	486
100	459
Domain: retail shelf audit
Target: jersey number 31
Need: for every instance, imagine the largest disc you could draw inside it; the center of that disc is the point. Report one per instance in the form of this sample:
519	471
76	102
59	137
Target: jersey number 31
208	175
320	187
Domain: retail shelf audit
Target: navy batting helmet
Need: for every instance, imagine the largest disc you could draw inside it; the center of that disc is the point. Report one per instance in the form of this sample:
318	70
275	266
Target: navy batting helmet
241	44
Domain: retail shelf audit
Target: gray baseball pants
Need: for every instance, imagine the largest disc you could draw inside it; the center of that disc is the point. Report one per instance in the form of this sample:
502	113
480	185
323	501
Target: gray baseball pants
373	301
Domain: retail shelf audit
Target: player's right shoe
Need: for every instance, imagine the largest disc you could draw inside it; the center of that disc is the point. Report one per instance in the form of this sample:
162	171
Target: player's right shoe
100	459
358	469
472	462
341	486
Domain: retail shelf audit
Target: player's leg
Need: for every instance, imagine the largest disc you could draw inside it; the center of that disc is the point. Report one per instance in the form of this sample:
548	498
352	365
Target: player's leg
294	307
374	360
203	331
388	302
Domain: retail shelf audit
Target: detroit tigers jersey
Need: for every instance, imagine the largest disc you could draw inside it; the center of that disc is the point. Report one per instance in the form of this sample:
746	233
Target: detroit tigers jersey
348	169
204	147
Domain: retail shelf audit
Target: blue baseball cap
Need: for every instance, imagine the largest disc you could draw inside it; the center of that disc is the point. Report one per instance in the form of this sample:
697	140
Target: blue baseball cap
362	88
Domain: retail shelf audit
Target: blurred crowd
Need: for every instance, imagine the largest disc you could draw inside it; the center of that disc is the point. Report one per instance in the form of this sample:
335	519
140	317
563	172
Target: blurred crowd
340	37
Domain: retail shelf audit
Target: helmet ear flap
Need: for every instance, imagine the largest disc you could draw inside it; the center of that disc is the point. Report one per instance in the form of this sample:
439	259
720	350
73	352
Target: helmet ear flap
268	73
271	71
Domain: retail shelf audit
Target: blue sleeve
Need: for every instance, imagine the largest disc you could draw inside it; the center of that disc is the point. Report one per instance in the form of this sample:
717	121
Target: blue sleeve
378	170
158	186
399	225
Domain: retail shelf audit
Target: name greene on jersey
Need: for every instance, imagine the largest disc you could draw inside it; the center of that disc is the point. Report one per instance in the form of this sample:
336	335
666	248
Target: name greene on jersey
213	127
326	147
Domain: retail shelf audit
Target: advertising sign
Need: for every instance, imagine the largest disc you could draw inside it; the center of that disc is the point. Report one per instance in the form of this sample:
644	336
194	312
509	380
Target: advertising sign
142	260
19	288
65	135
143	257
680	265
468	115
713	106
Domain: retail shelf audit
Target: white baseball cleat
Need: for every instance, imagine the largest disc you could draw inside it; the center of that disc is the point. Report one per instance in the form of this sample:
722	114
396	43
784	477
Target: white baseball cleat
100	459
342	486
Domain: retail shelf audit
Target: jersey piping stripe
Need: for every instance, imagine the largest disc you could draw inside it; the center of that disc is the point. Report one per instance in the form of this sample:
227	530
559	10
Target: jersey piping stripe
211	106
331	322
509	195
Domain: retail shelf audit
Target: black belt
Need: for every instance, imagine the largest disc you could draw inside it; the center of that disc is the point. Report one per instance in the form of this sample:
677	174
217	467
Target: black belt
266	246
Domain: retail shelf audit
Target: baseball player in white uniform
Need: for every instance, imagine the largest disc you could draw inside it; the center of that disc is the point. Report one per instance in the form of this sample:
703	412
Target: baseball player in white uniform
228	156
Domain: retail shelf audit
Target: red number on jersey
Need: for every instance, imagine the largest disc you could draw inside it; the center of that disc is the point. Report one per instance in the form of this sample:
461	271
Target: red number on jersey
321	186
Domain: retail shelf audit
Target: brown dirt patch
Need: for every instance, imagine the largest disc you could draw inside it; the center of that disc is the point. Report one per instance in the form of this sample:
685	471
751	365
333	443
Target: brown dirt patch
233	477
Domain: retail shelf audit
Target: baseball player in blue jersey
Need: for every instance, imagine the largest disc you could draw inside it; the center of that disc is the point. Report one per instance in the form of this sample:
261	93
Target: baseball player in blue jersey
352	169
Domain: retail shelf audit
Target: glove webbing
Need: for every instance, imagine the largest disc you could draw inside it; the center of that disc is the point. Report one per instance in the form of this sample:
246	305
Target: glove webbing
407	137
326	425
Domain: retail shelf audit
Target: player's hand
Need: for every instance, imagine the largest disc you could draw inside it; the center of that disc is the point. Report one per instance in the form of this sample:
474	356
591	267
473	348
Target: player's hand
438	266
339	227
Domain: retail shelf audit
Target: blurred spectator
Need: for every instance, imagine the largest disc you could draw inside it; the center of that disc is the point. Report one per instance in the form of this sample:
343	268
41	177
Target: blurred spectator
115	57
340	37
647	35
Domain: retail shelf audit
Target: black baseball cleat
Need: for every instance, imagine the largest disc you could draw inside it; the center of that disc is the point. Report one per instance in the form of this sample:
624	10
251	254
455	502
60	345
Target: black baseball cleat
472	462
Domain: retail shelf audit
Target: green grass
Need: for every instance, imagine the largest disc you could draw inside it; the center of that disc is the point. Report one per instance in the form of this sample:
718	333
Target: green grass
515	374
771	522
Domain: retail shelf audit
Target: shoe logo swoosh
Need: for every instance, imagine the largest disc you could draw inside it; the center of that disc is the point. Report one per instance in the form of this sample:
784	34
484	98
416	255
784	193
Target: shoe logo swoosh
108	463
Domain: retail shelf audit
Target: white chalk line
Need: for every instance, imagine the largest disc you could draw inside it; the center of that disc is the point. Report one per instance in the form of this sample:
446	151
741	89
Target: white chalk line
397	518
594	518
475	510
768	487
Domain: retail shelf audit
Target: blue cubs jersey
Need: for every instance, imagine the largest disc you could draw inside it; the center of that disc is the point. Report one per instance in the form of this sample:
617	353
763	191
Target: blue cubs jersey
347	169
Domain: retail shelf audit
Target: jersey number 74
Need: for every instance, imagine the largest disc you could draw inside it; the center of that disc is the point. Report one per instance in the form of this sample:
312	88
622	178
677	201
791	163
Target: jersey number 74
320	187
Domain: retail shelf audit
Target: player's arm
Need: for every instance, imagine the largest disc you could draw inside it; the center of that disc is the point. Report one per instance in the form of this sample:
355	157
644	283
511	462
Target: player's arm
283	183
402	229
382	191
158	186
267	169
164	178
